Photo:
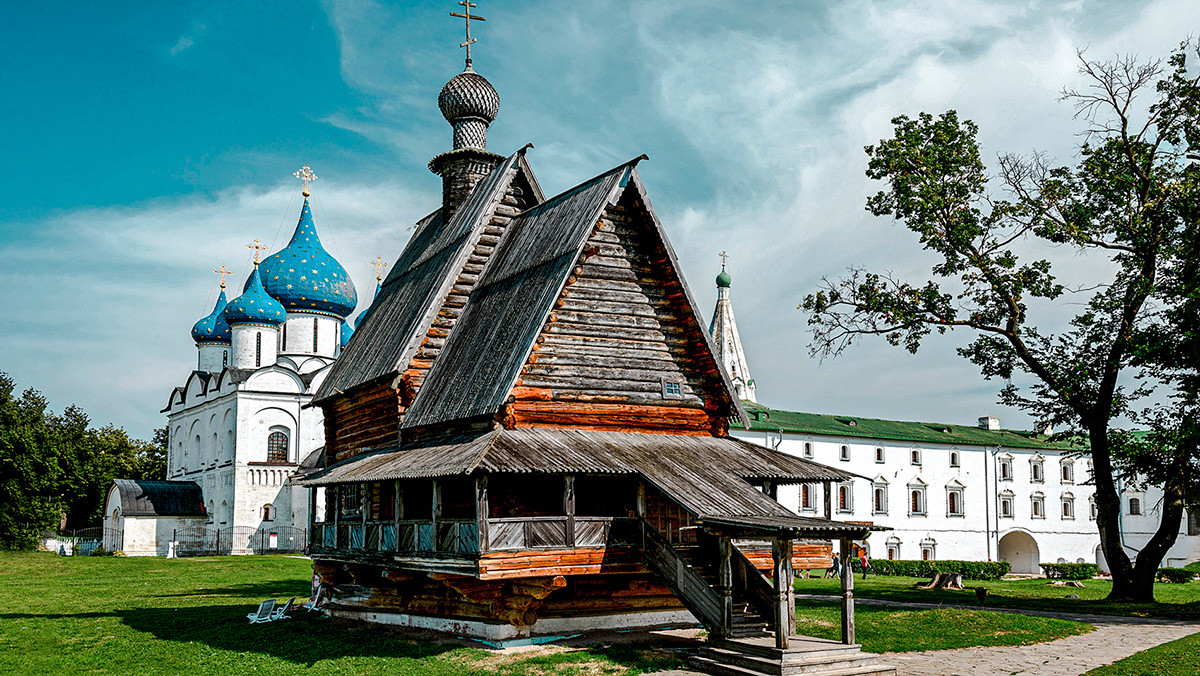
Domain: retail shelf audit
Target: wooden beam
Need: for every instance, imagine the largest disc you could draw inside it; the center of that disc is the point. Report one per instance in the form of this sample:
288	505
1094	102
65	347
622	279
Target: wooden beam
569	507
828	486
847	593
725	583
397	513
436	511
482	510
780	558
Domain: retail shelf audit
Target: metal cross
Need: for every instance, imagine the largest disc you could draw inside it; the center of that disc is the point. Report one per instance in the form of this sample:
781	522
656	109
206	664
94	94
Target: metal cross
223	271
257	246
723	256
305	174
379	266
467	18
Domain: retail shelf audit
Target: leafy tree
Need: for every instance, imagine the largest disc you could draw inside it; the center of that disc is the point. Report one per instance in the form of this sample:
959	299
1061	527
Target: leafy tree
54	466
1129	205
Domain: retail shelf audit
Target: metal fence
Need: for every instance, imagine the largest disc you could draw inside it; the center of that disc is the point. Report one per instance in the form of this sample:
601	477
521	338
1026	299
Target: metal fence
202	541
85	541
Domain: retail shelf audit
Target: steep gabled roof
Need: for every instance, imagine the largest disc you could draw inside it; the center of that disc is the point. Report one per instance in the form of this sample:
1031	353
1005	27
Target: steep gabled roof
483	357
419	280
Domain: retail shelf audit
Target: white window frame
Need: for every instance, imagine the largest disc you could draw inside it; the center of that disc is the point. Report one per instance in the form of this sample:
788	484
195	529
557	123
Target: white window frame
920	488
1066	504
955	459
1007	497
1066	471
914	457
1037	470
1037	506
881	506
808	449
844	453
962	509
880	457
849	488
929	550
1004	470
808	490
1141	507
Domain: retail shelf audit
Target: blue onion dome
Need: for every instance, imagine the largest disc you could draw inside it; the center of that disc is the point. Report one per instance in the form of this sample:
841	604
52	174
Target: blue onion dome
213	328
255	306
304	277
363	315
347	331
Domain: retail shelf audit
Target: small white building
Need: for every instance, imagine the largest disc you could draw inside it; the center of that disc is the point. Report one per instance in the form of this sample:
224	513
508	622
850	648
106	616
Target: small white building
975	492
141	518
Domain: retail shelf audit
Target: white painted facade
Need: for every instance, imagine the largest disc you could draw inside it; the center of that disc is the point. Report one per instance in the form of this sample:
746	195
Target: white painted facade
221	426
973	502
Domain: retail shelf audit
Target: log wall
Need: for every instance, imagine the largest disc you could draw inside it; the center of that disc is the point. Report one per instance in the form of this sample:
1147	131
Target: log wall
619	330
366	419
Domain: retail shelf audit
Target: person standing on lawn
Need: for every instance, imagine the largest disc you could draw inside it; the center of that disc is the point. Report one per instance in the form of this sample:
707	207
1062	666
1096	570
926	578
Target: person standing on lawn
863	563
836	569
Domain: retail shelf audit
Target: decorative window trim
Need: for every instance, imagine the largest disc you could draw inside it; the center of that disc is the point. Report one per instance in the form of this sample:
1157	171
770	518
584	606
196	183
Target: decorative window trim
918	504
808	449
844	453
1037	506
807	501
893	548
914	457
1136	508
1037	469
1066	471
954	494
929	550
879	497
278	442
1006	499
879	455
845	498
1093	510
1066	504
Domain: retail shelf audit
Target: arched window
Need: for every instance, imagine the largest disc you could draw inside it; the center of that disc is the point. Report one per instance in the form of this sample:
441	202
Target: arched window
806	501
1068	472
954	458
1135	506
258	348
277	447
915	456
1038	506
954	502
893	548
880	500
879	455
1068	506
845	453
929	550
224	357
917	501
808	453
268	512
1006	505
1006	469
284	348
845	498
314	334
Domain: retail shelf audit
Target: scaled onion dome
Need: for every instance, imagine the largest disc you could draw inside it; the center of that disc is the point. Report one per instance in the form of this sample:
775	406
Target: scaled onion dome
304	277
255	306
213	328
469	103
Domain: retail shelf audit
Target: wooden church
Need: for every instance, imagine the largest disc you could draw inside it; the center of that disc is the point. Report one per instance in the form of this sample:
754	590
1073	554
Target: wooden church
528	432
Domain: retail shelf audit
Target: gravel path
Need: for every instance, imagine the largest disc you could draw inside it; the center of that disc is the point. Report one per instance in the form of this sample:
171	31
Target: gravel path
1116	637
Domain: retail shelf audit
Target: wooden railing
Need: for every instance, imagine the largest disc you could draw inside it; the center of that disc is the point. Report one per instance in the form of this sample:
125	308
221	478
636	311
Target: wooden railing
453	537
557	532
683	580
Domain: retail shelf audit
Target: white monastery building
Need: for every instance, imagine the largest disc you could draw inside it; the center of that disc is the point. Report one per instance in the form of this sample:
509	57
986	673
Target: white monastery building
980	493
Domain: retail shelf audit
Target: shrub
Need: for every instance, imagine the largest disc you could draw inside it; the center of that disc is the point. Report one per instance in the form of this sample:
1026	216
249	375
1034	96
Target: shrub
98	551
118	553
1176	575
1070	571
970	570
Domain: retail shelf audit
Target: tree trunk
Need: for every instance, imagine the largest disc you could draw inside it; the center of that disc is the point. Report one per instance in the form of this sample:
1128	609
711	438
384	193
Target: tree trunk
1108	514
1151	556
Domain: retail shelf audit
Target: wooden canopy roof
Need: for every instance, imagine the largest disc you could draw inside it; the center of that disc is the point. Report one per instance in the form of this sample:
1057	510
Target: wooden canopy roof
159	498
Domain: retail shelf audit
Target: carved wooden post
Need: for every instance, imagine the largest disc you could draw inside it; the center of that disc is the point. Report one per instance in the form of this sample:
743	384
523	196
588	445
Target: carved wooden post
847	593
435	512
337	513
725	583
482	510
782	580
641	499
569	508
312	511
828	500
789	549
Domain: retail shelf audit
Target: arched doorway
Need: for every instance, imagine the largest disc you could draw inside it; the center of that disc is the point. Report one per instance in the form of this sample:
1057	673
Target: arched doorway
1100	560
1021	552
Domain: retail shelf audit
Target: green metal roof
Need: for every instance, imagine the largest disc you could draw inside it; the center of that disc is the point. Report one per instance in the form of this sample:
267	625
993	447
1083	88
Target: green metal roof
763	419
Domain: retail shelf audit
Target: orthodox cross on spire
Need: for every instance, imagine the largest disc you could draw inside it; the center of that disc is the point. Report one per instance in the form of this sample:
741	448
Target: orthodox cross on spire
379	266
257	246
467	18
223	271
307	176
723	256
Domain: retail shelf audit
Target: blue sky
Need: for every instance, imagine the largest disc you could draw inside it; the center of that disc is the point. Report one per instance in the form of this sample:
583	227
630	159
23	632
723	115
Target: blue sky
147	143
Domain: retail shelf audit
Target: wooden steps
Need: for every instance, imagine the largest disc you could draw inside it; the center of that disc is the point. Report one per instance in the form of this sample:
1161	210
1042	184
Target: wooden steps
808	657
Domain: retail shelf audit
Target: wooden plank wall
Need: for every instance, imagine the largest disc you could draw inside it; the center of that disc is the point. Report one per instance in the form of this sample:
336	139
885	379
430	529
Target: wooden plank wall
616	332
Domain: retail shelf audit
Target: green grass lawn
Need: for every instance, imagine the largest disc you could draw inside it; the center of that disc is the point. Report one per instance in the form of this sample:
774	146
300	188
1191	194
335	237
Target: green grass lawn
881	629
167	616
1175	601
1168	659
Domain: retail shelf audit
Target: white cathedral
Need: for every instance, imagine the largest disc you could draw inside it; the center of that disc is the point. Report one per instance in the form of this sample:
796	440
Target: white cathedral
239	427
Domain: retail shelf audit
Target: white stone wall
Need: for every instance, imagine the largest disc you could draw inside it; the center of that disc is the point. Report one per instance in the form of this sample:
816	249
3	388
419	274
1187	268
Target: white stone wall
213	357
299	334
245	351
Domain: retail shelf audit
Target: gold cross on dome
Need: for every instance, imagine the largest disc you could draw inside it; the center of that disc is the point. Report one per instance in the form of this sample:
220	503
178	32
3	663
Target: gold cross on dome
307	176
257	246
223	271
467	18
723	256
379	266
